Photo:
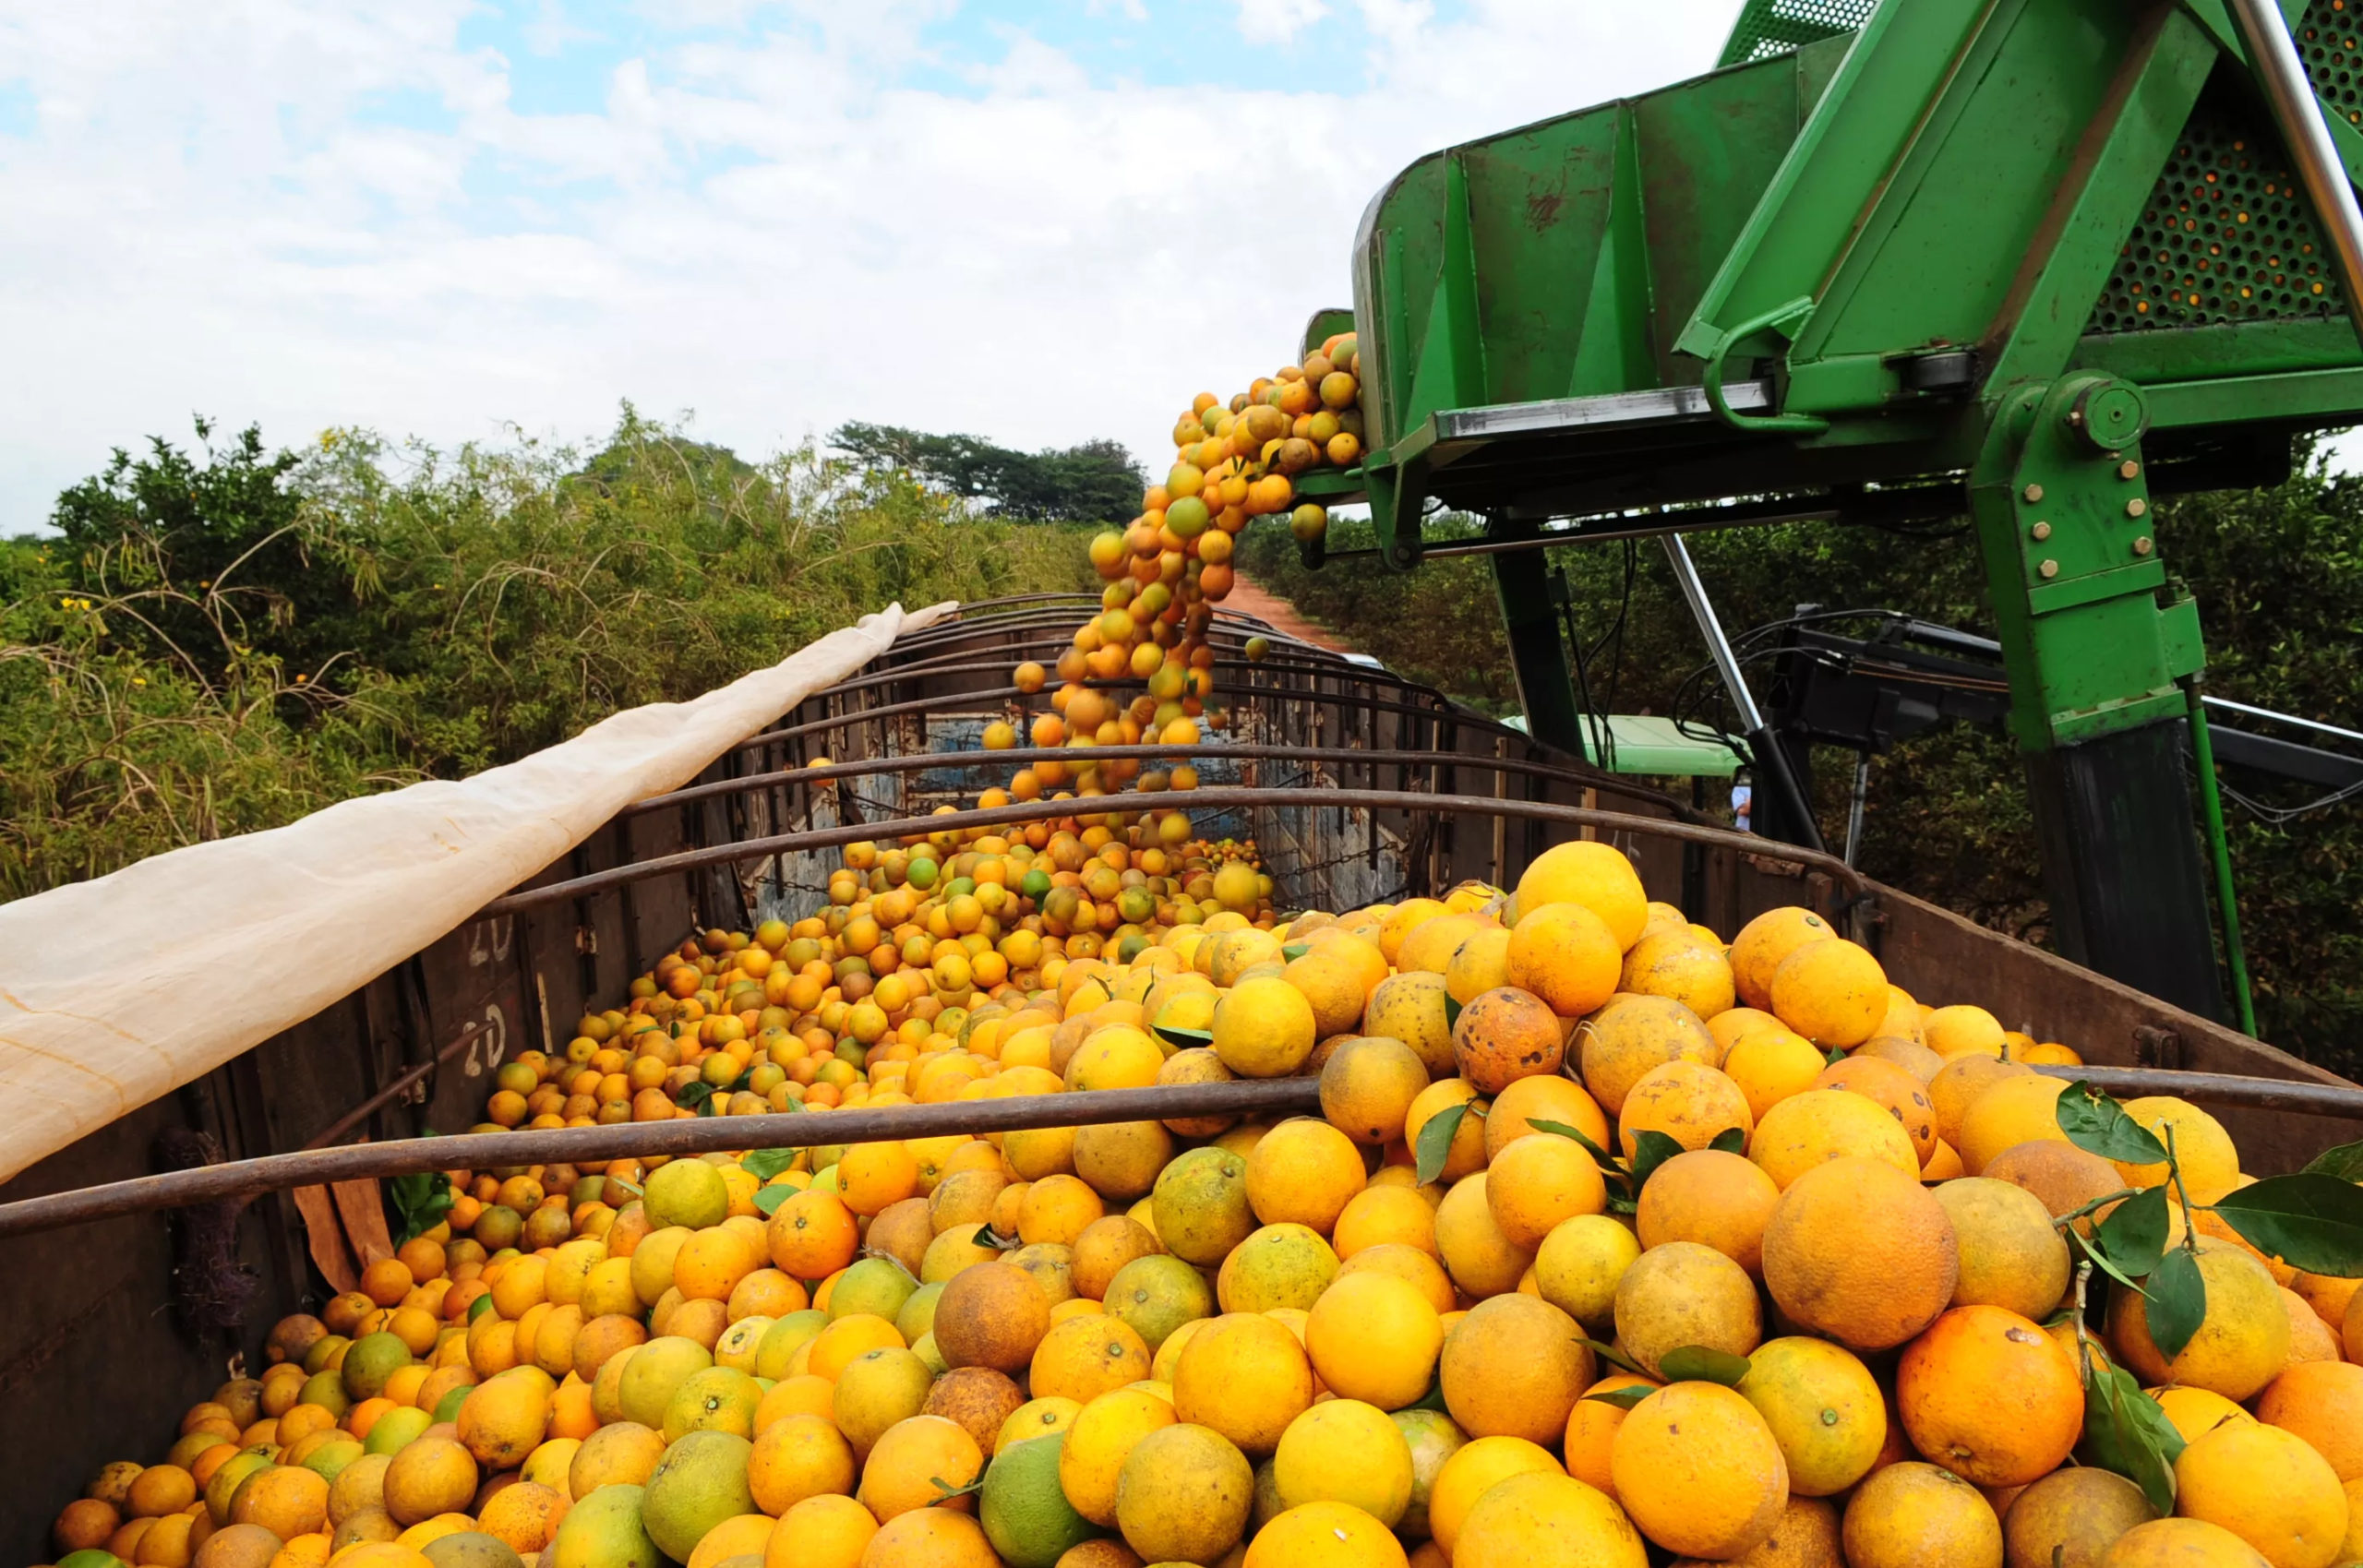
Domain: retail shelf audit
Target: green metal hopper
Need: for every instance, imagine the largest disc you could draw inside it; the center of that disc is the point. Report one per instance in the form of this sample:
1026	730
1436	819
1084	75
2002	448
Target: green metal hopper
2034	260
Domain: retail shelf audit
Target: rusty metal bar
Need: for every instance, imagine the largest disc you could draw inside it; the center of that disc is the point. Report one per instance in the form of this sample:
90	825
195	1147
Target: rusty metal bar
1855	883
391	1092
2255	1094
597	1145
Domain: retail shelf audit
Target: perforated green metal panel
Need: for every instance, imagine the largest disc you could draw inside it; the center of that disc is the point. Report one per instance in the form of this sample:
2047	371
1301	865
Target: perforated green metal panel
2330	39
1774	27
2227	235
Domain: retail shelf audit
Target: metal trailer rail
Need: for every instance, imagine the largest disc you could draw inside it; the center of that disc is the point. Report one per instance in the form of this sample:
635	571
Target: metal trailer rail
1357	782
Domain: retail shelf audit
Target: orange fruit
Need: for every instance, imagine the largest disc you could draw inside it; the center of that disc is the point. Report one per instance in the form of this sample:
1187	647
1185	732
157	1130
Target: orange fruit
979	1399
1693	1105
2061	1176
1770	1064
1833	993
1592	1430
812	1235
1621	1044
1536	1183
914	1464
796	1457
1505	1034
1712	1197
1806	1130
1764	942
927	1538
1698	1472
1893	1089
1954	1032
1471	1471
1381	1215
1303	1172
1376	1337
2269	1487
1324	1535
1985	1393
1684	1294
1859	1251
711	1263
2011	1254
1082	1358
872	1175
1476	1252
1244	1375
1565	954
1547	1097
825	1531
1910	1515
991	1315
2242	1343
1367	1087
1514	1367
2011	1112
1673	963
2318	1401
1824	1407
1592	873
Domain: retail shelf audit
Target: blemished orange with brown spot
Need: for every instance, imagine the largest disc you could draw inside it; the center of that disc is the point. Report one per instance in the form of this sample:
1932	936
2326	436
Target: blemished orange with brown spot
1505	1034
1860	1252
1810	1130
1692	1104
1894	1089
1986	1394
1619	1045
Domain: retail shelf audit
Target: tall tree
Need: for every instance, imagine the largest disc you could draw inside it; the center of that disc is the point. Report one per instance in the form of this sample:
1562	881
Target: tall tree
1096	481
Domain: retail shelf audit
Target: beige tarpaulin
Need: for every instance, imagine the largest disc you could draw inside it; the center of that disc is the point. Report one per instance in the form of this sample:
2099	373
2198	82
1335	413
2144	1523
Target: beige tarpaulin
115	991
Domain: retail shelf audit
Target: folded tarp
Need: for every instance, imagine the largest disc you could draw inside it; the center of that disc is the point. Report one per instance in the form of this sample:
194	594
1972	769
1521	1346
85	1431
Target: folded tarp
115	991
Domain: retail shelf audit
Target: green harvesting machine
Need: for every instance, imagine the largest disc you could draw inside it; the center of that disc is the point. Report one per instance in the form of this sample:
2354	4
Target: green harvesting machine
2035	262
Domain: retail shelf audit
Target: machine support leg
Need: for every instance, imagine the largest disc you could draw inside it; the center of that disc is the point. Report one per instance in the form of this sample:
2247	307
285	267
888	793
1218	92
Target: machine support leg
1545	688
2097	645
1790	817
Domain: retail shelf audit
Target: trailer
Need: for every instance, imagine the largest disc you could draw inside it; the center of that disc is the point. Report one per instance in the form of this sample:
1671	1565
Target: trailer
2035	261
1357	785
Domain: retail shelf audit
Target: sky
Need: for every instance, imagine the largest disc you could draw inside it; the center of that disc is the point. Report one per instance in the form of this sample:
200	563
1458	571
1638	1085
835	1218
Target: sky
460	220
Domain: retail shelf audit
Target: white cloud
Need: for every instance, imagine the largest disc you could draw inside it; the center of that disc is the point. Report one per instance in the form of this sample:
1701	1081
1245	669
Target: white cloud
1277	22
777	231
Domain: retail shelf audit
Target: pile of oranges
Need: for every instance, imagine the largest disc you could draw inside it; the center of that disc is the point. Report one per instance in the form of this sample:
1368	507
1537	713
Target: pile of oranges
1234	463
1614	1243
